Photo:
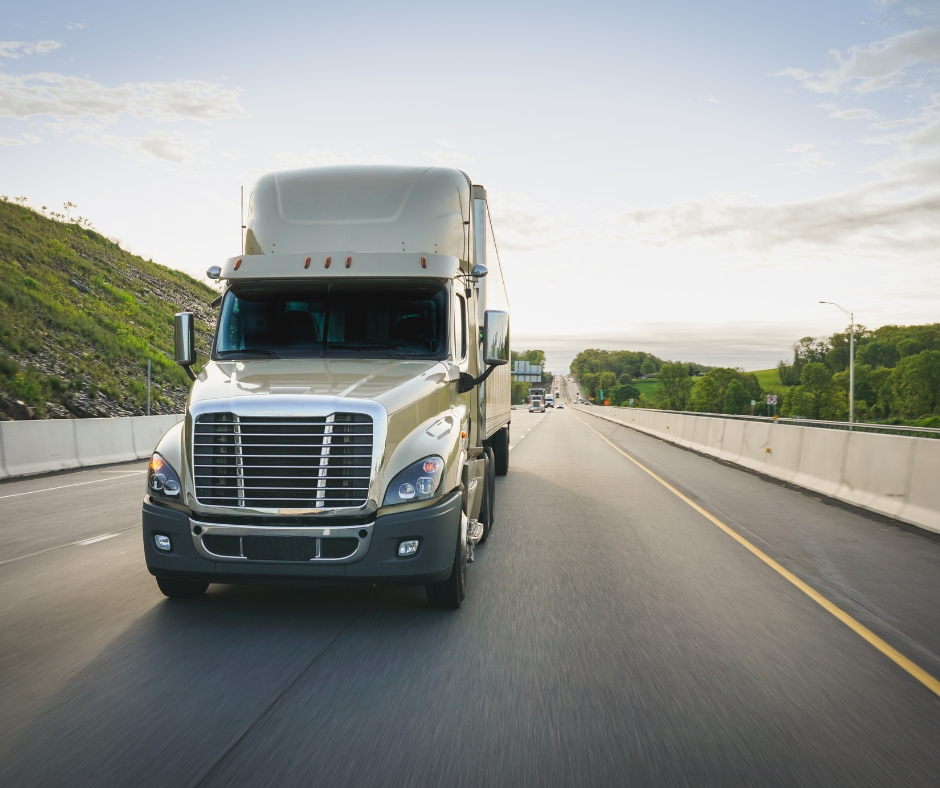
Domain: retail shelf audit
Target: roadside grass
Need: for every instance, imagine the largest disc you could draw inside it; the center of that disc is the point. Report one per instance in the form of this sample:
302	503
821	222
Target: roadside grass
769	379
651	389
80	316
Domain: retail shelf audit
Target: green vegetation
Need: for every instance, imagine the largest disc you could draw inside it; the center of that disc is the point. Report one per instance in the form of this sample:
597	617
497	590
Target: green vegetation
897	379
897	376
625	374
770	379
79	317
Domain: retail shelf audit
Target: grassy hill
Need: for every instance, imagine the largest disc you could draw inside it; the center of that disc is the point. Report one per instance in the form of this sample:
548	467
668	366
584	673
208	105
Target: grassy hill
769	379
79	317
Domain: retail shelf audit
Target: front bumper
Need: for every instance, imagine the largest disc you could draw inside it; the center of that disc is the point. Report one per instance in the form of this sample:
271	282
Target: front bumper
375	560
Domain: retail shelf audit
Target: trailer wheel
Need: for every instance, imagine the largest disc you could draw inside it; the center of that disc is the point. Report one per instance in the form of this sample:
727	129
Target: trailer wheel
176	588
449	593
500	444
488	509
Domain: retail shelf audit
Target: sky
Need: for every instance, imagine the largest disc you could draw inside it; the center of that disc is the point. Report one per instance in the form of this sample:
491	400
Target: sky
685	178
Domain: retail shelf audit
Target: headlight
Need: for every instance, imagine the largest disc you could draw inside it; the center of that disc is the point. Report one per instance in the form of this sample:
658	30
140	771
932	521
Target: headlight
162	480
417	482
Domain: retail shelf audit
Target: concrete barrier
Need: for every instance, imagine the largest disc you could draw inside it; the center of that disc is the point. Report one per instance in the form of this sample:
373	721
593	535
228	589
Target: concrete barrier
923	497
731	440
821	460
38	446
878	473
30	447
893	475
785	445
103	441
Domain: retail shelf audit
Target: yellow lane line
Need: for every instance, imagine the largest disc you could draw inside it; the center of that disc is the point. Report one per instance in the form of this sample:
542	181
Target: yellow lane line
858	628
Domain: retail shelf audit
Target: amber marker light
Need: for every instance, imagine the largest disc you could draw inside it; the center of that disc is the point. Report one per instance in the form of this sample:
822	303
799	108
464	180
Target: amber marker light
156	463
424	262
307	263
326	263
238	263
348	262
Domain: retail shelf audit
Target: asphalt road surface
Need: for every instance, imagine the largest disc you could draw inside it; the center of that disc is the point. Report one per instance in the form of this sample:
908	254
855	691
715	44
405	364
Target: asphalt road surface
612	635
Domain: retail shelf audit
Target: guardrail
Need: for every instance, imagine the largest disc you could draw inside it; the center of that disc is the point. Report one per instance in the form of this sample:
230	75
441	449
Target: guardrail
30	447
894	475
884	429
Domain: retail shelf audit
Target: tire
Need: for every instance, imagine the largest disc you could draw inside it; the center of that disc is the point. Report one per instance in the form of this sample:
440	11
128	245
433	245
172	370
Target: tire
488	509
500	444
175	588
450	593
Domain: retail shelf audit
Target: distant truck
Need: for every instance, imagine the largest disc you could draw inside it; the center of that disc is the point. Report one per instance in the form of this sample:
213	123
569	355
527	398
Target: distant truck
355	406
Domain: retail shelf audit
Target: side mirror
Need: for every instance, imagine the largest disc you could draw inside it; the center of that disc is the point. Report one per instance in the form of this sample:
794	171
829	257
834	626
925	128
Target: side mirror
495	338
479	271
184	341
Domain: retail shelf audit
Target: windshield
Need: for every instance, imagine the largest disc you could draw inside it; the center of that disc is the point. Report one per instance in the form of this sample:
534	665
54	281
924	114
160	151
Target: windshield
290	319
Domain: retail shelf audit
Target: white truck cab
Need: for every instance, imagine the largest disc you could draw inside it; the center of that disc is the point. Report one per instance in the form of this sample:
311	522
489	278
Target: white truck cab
354	409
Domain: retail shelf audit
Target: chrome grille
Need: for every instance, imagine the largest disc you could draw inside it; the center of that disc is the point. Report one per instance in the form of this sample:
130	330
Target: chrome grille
310	462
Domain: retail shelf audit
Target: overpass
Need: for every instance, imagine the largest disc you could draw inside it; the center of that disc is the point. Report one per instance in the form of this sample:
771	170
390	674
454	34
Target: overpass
643	614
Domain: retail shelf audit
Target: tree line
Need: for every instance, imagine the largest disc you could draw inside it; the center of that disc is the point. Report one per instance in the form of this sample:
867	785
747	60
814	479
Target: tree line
897	376
897	379
615	372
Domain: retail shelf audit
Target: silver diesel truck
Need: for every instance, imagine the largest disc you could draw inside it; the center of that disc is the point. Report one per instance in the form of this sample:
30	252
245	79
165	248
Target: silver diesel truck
354	410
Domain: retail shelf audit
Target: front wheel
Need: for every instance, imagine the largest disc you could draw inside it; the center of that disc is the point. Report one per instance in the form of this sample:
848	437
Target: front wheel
450	593
176	588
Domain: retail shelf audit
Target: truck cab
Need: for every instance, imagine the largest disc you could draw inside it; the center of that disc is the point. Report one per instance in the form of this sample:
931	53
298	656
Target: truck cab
354	408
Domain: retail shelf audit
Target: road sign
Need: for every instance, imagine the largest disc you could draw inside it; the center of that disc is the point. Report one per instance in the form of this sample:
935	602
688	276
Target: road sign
771	399
631	401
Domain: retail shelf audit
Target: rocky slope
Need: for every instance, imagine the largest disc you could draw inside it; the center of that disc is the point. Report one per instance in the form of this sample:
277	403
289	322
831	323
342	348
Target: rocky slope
79	317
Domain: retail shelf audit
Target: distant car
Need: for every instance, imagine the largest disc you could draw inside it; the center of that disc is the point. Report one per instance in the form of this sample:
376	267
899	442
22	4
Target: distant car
561	406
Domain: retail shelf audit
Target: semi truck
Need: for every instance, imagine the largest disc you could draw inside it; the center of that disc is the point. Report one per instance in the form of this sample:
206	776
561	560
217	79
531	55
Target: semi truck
354	409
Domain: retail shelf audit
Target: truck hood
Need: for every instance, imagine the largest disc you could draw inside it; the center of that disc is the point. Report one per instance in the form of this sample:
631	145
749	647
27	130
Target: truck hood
393	383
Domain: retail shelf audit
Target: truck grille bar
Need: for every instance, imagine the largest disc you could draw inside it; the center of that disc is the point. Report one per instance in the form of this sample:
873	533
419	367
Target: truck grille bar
260	462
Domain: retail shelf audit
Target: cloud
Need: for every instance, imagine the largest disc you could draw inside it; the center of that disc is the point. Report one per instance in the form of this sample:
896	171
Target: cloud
858	113
316	157
710	99
10	142
168	146
809	160
525	226
446	143
875	66
58	95
911	11
447	158
869	218
76	26
16	49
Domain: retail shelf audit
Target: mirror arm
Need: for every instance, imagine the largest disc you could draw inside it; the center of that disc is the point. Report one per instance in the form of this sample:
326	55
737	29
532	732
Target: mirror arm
189	371
467	382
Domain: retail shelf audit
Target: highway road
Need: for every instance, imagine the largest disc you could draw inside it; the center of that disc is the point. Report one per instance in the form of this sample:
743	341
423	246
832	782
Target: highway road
612	635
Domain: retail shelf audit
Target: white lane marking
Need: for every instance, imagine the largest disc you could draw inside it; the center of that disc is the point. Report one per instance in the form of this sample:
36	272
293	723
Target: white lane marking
65	486
57	547
127	472
96	539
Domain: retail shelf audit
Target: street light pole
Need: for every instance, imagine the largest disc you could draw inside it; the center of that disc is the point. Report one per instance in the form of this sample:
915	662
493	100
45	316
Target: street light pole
851	317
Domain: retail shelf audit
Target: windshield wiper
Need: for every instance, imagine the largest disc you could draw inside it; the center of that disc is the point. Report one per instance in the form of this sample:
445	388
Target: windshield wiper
251	352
